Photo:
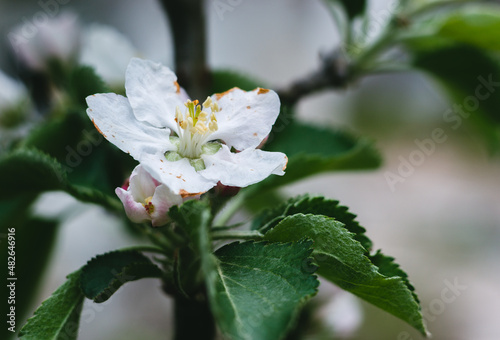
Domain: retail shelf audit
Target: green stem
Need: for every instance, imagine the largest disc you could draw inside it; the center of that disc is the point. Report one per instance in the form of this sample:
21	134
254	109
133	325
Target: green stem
237	235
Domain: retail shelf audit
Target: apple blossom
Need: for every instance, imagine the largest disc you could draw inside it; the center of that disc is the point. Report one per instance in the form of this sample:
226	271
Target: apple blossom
57	39
146	199
186	145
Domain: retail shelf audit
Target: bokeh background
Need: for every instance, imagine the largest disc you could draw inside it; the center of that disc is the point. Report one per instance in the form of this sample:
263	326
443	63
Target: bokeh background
442	224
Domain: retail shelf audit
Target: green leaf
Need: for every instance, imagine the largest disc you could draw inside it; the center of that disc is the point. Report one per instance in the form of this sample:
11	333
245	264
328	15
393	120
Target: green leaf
473	24
352	7
83	82
103	275
342	260
313	150
223	80
470	76
305	204
32	236
260	286
29	172
58	316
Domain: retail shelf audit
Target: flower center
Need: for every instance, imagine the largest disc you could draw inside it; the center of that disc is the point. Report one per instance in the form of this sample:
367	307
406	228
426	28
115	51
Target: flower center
194	129
148	205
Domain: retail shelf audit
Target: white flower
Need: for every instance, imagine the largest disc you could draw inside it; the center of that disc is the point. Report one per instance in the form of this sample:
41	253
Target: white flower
55	39
146	199
108	52
187	146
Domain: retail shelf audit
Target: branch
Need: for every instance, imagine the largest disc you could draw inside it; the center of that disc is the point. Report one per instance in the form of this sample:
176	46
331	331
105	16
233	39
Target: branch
187	22
333	73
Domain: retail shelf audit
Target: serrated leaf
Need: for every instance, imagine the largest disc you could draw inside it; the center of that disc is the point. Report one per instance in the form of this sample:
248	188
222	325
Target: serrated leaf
260	286
103	275
318	205
313	150
58	316
342	260
28	171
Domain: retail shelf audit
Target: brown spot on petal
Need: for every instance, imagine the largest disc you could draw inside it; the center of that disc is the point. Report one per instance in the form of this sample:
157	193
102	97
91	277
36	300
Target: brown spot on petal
285	163
218	96
262	91
248	107
255	134
178	87
179	177
98	129
186	194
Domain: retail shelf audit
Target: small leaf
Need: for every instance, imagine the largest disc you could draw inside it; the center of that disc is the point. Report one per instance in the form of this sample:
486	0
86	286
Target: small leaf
58	316
342	260
313	150
269	218
103	275
260	286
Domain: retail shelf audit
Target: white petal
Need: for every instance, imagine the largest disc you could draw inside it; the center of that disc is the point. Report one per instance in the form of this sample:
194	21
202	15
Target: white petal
142	184
245	118
244	168
153	92
114	119
179	176
108	51
135	211
163	199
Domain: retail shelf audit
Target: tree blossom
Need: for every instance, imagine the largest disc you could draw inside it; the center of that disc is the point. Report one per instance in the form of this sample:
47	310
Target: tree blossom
186	145
145	199
57	39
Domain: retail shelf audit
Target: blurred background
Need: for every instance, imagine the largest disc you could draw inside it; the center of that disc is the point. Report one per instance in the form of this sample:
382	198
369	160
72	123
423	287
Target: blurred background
442	223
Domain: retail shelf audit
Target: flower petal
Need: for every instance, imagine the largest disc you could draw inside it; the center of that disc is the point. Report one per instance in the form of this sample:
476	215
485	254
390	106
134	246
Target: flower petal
142	184
114	119
245	118
135	211
163	199
179	176
244	168
153	92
